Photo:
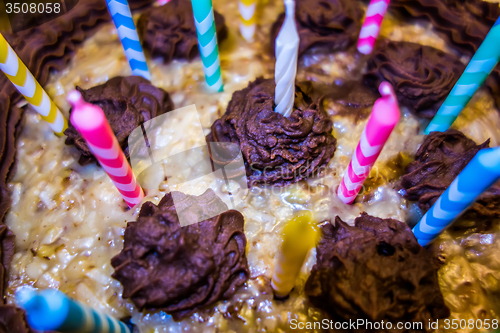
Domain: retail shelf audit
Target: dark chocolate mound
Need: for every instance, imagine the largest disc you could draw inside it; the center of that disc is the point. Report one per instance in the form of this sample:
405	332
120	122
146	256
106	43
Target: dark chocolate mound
50	46
169	31
13	320
375	271
10	125
353	99
276	150
44	48
463	23
127	102
439	160
182	269
334	24
422	76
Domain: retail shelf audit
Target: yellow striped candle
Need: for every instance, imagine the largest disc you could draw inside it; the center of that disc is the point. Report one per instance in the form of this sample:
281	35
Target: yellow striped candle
300	235
17	72
247	15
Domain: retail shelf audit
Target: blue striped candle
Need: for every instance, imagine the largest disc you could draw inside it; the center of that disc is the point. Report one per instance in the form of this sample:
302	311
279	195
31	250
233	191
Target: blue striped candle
207	42
478	69
122	17
481	172
51	310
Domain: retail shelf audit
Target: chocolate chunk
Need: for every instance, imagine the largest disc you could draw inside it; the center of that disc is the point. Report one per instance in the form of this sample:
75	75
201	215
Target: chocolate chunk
439	160
276	150
169	31
376	271
422	76
463	23
182	269
127	102
13	320
333	24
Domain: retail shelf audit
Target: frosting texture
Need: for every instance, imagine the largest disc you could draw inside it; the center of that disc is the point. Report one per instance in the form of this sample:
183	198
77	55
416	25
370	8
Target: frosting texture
127	102
182	269
422	76
276	150
463	23
374	270
439	160
50	46
169	31
13	320
334	24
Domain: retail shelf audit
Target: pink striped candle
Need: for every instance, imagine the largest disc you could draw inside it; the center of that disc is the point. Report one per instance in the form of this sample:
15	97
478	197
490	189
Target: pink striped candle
384	117
91	122
371	27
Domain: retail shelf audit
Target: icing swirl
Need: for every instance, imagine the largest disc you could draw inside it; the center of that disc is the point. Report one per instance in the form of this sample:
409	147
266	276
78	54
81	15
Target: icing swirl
158	254
463	23
330	23
276	150
13	320
422	76
169	31
439	160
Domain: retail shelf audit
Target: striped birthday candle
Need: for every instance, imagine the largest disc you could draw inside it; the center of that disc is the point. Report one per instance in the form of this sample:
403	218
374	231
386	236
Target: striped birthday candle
247	14
285	71
92	124
20	76
52	310
122	17
384	117
207	42
481	172
371	26
478	69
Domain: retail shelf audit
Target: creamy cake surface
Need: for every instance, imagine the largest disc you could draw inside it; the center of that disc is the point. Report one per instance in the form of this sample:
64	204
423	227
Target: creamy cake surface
69	220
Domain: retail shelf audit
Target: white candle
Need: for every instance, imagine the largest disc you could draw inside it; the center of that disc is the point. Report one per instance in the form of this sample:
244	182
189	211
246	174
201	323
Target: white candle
287	49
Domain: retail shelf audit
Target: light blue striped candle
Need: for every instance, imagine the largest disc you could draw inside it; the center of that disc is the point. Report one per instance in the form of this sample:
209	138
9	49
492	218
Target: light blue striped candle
481	172
207	42
122	17
480	66
51	310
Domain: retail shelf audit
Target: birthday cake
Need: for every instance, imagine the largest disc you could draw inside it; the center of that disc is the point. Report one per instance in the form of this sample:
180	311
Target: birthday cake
65	225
